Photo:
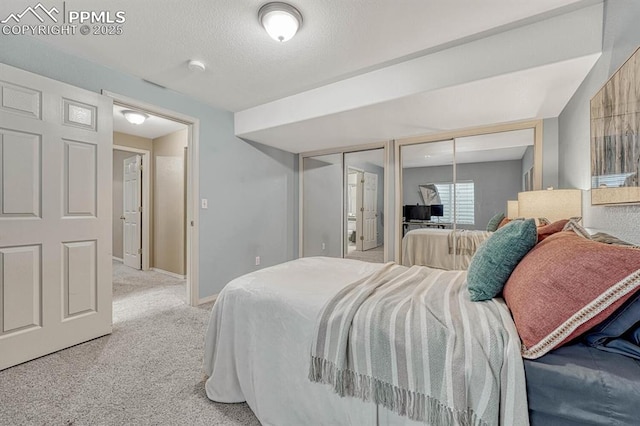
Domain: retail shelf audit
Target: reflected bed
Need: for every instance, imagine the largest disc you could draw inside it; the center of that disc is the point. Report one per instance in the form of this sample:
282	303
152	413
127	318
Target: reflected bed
435	247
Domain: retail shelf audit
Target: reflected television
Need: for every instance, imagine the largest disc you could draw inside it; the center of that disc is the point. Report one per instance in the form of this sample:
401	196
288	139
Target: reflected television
416	213
437	209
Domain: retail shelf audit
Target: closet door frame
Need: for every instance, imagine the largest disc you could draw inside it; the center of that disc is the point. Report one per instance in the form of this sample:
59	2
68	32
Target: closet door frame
536	125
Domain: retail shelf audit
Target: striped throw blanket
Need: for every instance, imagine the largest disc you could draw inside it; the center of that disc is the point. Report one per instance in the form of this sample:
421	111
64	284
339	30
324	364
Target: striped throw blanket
411	340
466	242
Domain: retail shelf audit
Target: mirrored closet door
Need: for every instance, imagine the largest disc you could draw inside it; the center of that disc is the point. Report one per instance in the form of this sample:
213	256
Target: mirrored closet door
322	205
343	203
451	189
428	201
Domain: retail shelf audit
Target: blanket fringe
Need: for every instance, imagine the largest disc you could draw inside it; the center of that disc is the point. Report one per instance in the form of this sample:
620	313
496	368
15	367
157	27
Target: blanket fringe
414	405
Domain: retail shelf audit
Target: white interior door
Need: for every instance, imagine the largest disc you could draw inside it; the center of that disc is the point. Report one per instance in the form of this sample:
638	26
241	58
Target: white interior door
369	211
55	215
132	204
359	212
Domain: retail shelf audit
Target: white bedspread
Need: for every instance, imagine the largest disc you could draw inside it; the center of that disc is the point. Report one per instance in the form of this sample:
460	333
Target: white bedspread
430	247
259	337
258	343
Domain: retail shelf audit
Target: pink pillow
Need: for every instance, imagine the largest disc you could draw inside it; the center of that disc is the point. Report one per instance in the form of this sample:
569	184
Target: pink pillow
546	230
566	285
503	222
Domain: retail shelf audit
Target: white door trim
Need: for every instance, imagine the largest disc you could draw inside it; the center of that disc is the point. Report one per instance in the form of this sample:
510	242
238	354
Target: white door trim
193	185
146	196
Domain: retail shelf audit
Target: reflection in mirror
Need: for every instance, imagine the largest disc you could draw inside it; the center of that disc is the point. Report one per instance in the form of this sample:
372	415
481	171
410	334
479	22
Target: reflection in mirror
489	170
497	165
427	203
364	205
322	205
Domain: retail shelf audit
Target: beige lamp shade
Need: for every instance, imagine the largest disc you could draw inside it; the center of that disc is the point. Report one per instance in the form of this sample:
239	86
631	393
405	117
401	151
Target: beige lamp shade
555	204
512	209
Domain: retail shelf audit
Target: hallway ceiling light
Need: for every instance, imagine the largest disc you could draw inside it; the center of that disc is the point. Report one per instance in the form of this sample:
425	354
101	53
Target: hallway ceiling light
134	117
280	20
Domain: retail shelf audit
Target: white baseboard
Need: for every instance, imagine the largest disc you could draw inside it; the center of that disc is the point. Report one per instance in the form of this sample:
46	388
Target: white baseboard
207	299
171	274
118	259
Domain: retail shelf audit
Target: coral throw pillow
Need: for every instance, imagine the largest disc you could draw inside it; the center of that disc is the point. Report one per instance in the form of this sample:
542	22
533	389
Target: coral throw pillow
547	230
503	222
567	285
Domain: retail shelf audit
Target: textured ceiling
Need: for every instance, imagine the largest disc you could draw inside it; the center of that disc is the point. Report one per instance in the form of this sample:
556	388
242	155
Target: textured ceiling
339	38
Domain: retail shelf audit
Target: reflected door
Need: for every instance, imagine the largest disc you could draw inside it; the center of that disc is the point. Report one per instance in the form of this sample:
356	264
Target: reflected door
369	211
365	171
132	237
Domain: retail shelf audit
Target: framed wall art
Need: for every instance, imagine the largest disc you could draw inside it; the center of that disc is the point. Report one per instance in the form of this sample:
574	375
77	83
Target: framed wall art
615	143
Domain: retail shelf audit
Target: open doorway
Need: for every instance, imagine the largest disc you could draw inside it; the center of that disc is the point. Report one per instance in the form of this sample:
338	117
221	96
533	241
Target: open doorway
153	187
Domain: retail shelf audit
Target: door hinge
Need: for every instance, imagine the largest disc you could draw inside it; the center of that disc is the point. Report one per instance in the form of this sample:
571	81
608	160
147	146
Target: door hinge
361	237
362	181
361	209
139	251
140	209
193	223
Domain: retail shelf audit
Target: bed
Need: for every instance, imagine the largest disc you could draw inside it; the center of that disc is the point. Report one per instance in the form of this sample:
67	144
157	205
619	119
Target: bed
578	385
257	347
264	327
435	247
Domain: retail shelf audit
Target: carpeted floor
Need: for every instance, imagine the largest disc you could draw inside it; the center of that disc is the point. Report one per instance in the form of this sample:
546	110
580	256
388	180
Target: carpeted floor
147	372
375	255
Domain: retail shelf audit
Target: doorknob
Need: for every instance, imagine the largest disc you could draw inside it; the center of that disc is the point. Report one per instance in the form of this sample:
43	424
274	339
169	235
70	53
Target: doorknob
122	217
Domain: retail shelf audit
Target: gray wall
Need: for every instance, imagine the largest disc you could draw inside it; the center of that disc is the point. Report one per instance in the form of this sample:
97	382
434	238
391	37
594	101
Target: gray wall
494	182
550	153
621	37
322	205
250	187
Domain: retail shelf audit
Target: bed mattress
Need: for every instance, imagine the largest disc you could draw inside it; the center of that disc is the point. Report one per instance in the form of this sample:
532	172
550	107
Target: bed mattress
581	385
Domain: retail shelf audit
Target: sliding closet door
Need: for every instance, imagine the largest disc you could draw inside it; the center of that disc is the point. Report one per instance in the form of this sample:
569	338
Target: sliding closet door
322	182
428	201
490	170
471	177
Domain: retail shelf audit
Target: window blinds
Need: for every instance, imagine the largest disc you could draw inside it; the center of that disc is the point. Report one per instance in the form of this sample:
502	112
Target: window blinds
465	202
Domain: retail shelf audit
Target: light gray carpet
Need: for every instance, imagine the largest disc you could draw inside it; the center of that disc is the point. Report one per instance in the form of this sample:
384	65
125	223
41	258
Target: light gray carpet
147	372
375	255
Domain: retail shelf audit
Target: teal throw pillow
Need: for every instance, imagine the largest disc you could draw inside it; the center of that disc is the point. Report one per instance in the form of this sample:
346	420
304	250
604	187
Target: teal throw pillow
498	256
492	226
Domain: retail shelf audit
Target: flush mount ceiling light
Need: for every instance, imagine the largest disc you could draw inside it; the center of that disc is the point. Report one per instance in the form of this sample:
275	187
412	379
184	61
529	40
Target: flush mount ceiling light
134	117
197	66
281	20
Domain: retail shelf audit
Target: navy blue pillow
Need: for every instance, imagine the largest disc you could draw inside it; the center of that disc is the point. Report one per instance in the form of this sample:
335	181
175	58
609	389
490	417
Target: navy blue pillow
620	333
